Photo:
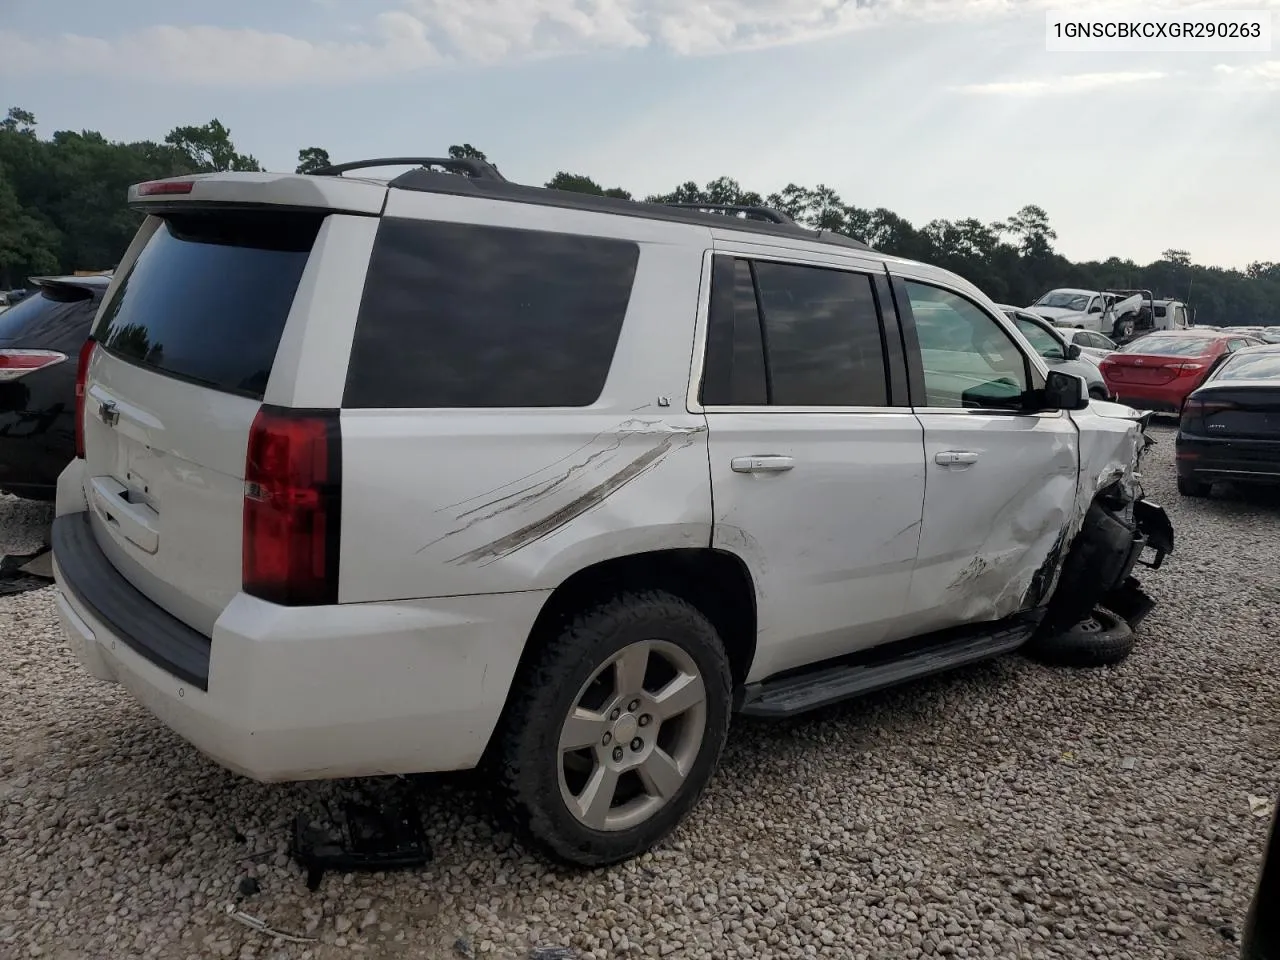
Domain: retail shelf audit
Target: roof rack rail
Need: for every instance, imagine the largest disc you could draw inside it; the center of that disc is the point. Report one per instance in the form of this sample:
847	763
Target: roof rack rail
468	166
482	179
768	214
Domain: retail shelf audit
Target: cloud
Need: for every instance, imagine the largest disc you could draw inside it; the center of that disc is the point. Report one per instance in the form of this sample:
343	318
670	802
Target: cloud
1265	74
425	34
1070	83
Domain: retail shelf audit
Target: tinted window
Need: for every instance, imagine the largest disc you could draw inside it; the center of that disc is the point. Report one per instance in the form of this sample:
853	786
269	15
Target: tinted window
207	299
457	315
969	360
822	337
47	315
734	369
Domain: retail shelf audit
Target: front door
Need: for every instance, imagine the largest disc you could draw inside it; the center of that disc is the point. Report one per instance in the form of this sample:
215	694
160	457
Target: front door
817	477
1000	484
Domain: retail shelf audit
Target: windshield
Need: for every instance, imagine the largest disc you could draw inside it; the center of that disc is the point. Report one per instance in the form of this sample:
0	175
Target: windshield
1062	300
1251	366
1170	346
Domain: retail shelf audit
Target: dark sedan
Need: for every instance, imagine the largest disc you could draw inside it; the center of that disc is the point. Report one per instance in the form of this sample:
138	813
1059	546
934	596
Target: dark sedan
1230	427
40	341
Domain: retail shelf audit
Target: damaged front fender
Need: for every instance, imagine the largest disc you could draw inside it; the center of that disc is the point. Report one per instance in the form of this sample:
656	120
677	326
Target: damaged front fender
1118	524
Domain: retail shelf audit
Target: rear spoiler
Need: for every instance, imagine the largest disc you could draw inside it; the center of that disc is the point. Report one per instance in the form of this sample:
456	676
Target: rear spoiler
258	190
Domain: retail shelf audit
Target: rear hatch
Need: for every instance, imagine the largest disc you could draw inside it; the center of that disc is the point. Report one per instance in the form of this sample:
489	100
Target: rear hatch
184	348
1129	368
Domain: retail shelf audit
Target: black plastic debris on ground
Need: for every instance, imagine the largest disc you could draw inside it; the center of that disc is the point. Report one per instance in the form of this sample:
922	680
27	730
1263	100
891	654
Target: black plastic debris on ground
17	575
385	835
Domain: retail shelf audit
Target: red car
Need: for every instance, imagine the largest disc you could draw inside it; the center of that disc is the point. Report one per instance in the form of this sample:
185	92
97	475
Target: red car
1158	371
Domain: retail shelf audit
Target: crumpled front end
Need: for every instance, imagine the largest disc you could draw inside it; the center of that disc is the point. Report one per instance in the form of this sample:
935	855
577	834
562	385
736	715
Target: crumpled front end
1115	525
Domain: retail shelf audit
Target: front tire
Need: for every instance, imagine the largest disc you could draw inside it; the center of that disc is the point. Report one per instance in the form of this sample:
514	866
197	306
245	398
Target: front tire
616	728
1099	640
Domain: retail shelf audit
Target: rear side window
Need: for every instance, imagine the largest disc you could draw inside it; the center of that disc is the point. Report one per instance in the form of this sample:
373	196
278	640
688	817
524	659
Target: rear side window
459	315
735	373
788	335
822	337
207	299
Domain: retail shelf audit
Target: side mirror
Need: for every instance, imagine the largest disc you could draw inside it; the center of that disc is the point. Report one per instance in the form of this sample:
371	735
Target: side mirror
1074	351
1096	308
1065	391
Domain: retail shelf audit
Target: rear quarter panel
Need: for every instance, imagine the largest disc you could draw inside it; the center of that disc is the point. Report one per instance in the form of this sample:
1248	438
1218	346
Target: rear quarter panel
442	502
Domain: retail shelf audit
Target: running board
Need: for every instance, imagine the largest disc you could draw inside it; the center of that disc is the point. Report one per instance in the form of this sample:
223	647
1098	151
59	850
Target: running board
822	686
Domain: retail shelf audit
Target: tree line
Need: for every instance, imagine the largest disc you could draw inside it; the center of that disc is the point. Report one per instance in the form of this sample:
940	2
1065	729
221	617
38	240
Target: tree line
62	209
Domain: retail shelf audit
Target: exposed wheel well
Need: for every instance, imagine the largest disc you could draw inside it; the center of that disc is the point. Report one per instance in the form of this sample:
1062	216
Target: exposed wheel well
717	583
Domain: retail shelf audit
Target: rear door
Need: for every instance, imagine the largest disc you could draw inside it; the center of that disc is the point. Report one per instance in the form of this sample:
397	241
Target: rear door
1000	483
186	345
816	460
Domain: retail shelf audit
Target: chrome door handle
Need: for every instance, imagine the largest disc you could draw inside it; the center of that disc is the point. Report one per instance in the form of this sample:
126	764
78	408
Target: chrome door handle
762	464
950	458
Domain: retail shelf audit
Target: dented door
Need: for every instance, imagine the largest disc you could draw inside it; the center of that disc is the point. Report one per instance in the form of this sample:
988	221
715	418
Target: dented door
1000	484
993	516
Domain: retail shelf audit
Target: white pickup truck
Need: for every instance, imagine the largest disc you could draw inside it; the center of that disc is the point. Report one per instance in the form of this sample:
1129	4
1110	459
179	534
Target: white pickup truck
1112	313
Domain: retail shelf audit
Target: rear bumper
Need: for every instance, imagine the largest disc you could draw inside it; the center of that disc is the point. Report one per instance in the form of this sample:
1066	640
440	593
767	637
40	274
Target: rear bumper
301	693
1149	398
1208	458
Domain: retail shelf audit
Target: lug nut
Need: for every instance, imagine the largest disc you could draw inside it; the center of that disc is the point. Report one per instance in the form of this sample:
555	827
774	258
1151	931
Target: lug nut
645	719
617	754
607	738
615	714
633	706
637	744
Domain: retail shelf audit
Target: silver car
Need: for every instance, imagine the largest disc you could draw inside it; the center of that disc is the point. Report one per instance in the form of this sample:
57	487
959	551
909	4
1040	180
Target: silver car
1052	344
1092	344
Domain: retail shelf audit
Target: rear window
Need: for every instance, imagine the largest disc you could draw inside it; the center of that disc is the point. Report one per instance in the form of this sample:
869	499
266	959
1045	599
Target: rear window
44	314
1251	366
459	315
1169	346
207	299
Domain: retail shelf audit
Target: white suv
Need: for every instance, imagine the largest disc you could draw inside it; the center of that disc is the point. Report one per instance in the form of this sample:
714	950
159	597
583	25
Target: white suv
394	476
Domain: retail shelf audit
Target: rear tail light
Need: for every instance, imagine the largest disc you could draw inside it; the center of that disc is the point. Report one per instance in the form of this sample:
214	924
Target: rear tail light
82	374
1195	410
1186	369
293	507
15	364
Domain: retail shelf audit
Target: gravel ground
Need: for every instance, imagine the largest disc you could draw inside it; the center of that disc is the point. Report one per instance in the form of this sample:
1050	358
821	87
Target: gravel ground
1007	810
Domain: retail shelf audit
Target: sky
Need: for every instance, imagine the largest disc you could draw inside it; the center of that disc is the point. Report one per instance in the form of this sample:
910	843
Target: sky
932	108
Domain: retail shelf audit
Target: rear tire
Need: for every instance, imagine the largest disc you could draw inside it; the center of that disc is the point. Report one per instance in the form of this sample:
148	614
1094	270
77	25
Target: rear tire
615	728
1193	488
1099	640
1097	393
